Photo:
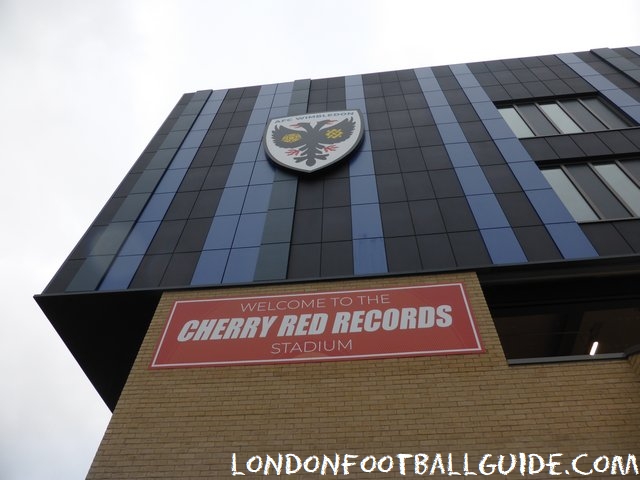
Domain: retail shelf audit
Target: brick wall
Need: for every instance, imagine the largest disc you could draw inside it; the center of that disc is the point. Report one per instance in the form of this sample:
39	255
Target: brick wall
186	423
634	361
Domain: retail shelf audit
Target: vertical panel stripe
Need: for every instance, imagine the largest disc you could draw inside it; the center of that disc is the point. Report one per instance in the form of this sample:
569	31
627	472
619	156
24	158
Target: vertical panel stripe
501	242
571	242
130	256
241	213
615	95
273	258
369	255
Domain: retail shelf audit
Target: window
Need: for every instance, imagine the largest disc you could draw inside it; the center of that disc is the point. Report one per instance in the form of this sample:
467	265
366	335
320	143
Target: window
597	191
544	316
568	330
564	116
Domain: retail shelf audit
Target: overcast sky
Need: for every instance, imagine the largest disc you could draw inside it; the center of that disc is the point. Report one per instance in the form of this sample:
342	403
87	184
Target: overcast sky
84	85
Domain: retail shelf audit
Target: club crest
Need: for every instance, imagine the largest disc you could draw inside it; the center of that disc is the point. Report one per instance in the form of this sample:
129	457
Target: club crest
312	141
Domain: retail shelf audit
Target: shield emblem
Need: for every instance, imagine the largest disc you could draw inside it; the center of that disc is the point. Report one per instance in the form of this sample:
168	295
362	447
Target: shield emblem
312	141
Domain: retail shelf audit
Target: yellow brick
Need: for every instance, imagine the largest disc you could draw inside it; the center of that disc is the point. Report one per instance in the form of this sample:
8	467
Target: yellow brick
186	423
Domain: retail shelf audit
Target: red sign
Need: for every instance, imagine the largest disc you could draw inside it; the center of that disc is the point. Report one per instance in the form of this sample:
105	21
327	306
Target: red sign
390	322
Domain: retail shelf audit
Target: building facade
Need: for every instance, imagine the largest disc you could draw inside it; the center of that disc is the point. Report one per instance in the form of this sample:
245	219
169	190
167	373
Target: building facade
517	180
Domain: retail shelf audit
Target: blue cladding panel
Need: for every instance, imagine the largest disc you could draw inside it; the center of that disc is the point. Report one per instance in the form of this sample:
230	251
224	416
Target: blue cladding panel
549	206
633	112
465	79
571	241
620	98
257	199
503	246
429	84
263	172
259	117
487	212
529	175
254	133
140	238
210	267
361	163
263	102
157	207
249	231
171	181
366	142
277	112
366	222
203	122
488	111
461	155
363	189
443	114
476	94
194	139
240	175
512	150
183	158
241	265
436	98
121	272
268	89
371	254
231	201
248	150
221	233
361	105
451	133
281	100
474	182
498	128
353	92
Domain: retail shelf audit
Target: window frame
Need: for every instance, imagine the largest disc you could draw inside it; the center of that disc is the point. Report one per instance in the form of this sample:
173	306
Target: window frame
591	202
537	104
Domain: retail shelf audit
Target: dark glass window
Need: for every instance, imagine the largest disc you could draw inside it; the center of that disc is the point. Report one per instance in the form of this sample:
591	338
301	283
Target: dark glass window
579	317
571	330
596	191
562	116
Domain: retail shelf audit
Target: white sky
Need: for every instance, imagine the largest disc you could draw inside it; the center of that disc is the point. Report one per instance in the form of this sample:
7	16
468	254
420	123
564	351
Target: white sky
84	85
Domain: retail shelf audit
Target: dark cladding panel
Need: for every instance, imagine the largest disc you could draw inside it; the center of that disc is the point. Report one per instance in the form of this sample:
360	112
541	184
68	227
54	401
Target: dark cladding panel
180	269
396	219
402	254
304	261
336	224
439	183
307	226
606	239
537	244
469	249
435	144
336	259
435	252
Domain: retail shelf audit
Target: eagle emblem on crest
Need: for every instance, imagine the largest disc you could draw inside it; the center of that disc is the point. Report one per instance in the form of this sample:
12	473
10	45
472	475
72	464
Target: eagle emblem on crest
313	141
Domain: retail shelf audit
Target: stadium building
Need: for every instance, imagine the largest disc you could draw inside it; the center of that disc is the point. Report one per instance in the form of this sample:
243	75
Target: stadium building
439	262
